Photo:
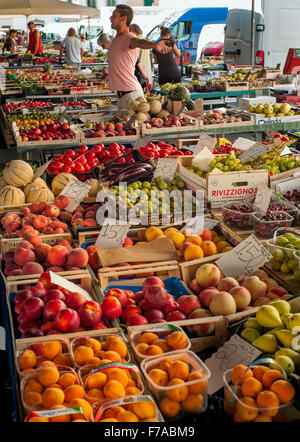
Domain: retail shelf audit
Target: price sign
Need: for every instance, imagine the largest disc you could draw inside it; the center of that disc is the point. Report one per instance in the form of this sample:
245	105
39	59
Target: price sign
233	352
205	141
203	159
243	143
245	258
286	151
166	168
263	197
254	151
76	190
210	223
112	235
40	170
68	285
194	225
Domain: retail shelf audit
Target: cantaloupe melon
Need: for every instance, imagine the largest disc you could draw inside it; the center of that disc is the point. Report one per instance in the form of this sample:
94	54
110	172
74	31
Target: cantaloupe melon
143	107
3	183
18	173
155	107
39	182
39	194
134	106
60	181
163	113
11	196
142	117
141	100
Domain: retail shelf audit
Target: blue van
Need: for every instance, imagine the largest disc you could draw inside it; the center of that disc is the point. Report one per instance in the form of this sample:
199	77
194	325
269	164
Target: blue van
187	26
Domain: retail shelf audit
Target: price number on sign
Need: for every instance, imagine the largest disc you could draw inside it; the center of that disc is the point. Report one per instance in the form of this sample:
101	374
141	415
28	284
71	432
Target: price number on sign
166	168
112	235
245	258
254	151
205	141
76	191
263	197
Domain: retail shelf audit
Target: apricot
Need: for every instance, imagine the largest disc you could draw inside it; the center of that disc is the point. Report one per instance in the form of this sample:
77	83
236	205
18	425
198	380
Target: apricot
111	419
33	399
79	420
270	376
162	344
127	416
97	380
48	375
94	395
94	344
52	396
112	412
33	385
82	354
193	403
131	383
262	418
39	419
62	417
198	387
63	359
221	245
177	394
132	391
178	239
284	390
119	375
86	407
74	392
177	340
178	369
148	338
251	387
94	361
152	419
246	409
66	380
170	230
52	349
152	233
27	371
169	408
141	348
143	410
268	402
153	350
112	355
197	240
165	364
208	235
238	374
159	377
27	360
259	371
41	362
193	252
118	346
114	389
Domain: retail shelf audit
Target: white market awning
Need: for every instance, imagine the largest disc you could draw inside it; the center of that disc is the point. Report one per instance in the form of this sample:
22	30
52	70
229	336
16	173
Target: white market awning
45	7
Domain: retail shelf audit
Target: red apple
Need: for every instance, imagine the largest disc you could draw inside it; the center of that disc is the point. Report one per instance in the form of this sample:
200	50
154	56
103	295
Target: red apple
119	294
152	280
176	315
111	307
67	320
90	313
136	320
33	307
188	303
52	308
75	300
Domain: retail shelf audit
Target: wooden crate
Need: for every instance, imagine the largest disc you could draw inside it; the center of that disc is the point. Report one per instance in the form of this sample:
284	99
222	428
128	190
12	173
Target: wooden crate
124	139
8	244
76	139
286	280
231	85
166	269
248	120
192	124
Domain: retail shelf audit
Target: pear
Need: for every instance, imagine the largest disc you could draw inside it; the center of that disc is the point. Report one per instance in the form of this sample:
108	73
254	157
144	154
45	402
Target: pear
285	317
282	306
266	343
294	355
285	337
252	323
274	330
295	305
285	363
268	316
250	334
293	321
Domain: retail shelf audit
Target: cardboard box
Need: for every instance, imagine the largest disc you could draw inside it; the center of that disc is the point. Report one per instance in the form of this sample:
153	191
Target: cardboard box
274	120
245	102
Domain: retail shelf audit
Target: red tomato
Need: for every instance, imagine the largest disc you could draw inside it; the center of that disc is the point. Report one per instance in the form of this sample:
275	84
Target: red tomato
79	167
97	149
163	154
92	163
81	159
161	144
82	149
187	153
66	169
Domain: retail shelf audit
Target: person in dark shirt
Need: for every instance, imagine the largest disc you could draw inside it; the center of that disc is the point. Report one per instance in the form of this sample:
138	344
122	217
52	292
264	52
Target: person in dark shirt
168	69
10	44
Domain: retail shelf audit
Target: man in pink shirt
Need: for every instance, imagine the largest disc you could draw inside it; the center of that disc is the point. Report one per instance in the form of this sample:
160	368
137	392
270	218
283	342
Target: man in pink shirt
122	57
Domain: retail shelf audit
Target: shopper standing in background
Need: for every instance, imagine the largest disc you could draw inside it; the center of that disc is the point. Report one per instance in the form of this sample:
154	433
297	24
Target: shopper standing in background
73	49
104	41
168	69
35	40
20	39
123	54
144	57
10	44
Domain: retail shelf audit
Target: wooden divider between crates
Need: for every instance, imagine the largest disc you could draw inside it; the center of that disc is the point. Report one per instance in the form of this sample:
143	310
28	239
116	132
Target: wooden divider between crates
166	269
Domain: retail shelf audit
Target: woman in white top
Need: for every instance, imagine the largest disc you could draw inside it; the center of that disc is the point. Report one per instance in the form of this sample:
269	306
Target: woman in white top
144	56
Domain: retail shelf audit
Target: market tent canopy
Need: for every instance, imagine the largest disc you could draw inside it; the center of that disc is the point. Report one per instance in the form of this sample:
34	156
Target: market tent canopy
43	7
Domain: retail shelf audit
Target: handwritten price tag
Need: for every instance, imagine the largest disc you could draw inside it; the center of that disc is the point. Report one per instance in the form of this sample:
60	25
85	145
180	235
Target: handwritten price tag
263	197
233	352
254	151
205	141
166	168
40	170
76	191
112	235
245	258
243	144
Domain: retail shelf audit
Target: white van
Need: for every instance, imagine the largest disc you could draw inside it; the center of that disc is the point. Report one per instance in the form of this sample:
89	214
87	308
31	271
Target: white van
276	30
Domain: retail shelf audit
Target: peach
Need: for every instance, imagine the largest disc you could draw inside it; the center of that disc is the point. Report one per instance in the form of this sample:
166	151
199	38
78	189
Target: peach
40	222
205	329
67	321
184	246
78	257
61	201
242	297
261	301
52	210
261	274
270	283
66	217
13	269
32	268
226	284
21	256
276	292
8	255
26	229
195	287
223	304
41	251
256	287
207	295
35	240
188	303
25	245
208	275
59	224
89	223
47	230
64	242
57	256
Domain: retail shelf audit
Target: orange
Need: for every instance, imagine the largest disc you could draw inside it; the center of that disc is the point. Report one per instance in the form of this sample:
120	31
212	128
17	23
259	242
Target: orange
178	369
198	387
119	375
74	392
193	252
61	418
209	248
114	389
82	354
52	396
48	375
259	371
284	390
251	387
177	340
52	349
127	416
177	394
148	338
168	407
197	240
268	402
270	376
27	360
207	235
159	377
86	407
193	403
238	374
66	380
246	408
